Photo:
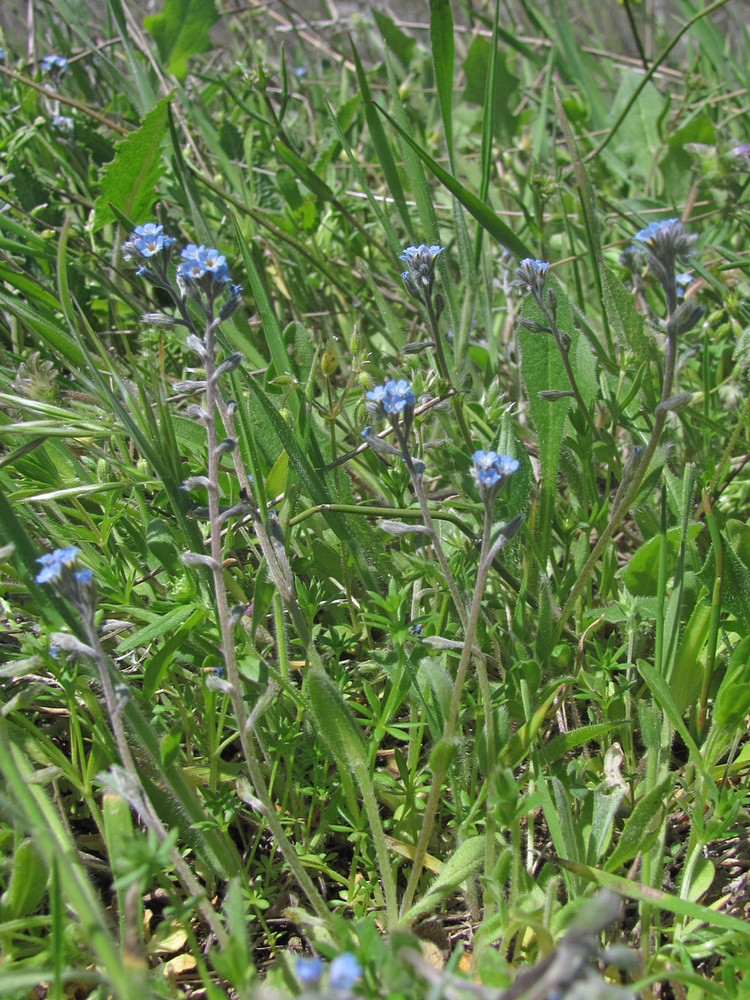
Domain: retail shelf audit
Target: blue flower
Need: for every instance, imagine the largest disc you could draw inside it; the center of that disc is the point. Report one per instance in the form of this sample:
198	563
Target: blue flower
420	276
397	396
344	971
54	64
198	260
213	260
63	123
490	469
2	54
53	563
149	239
376	394
666	244
422	252
393	396
309	970
653	231
683	281
192	269
530	275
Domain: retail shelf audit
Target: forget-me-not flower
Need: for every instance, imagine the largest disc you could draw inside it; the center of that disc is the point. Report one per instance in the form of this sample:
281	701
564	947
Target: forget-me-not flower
344	971
55	563
394	396
419	277
54	64
490	469
309	970
530	276
149	239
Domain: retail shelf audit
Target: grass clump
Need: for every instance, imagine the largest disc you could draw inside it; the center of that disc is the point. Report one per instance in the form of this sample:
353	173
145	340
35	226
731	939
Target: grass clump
376	580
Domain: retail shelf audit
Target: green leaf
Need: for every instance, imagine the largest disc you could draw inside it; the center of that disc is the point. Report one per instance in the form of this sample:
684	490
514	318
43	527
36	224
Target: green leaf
640	574
642	826
665	699
624	318
337	725
465	860
400	44
27	883
128	182
308	176
542	369
180	30
382	148
443	51
488	219
480	68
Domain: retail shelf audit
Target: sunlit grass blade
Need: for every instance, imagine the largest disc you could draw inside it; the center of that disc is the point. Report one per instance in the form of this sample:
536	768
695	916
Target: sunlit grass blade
381	146
488	219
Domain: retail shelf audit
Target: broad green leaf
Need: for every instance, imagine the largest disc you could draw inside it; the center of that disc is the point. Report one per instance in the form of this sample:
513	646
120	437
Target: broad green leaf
382	147
640	574
482	67
129	181
337	725
606	804
542	369
180	30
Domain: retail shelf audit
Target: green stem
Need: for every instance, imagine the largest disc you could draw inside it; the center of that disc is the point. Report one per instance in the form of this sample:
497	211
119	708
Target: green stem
629	489
260	789
443	757
713	631
456	402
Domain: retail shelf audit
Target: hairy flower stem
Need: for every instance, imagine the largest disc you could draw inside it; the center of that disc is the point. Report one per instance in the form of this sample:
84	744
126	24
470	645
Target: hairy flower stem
280	572
249	751
442	758
418	485
456	402
563	344
629	490
141	801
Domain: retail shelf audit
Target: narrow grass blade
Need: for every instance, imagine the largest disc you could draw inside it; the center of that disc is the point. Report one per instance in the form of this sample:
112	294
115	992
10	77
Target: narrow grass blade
488	219
382	147
443	46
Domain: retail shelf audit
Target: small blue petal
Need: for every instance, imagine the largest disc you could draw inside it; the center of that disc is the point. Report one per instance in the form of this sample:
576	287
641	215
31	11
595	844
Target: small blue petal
344	971
309	970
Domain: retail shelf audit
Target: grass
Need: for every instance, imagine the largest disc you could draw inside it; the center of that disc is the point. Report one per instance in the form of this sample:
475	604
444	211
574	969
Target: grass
452	730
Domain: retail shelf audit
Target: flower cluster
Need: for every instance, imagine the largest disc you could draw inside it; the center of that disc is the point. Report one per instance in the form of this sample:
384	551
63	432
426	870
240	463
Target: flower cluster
393	396
75	585
149	239
63	123
343	972
529	277
198	261
420	276
54	64
201	273
665	244
490	469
